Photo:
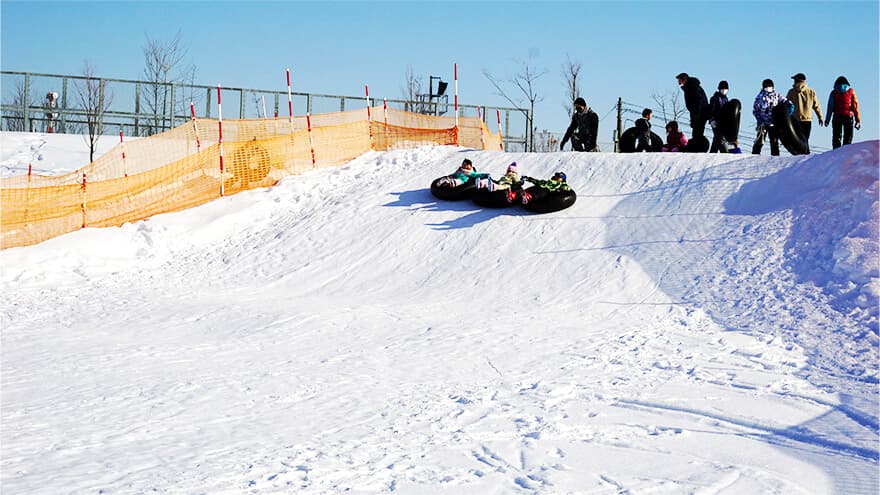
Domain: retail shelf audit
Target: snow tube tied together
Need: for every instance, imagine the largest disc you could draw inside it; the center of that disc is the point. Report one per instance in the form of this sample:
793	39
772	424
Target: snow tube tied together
498	198
553	201
441	189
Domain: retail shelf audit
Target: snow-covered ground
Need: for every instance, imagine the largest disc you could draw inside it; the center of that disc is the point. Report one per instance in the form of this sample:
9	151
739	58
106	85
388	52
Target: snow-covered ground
693	324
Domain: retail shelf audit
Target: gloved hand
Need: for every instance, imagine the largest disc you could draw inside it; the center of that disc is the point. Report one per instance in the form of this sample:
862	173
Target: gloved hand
858	125
713	124
562	147
526	178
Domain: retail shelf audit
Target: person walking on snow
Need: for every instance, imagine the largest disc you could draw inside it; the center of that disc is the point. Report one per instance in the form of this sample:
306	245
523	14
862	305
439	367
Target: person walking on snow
718	100
805	103
843	108
583	130
696	102
762	109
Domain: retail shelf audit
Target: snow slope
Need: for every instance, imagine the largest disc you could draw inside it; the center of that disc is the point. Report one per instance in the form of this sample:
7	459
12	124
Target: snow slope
693	324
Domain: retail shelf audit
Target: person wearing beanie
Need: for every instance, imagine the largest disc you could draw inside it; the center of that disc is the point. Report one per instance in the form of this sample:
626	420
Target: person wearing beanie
762	109
805	103
843	111
583	130
718	100
510	179
696	102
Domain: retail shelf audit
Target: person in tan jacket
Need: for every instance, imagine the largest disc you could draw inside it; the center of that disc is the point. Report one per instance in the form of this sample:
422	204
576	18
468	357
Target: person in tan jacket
805	103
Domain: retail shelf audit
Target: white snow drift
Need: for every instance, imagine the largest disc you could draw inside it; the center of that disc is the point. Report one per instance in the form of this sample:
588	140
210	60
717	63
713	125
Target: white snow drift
693	324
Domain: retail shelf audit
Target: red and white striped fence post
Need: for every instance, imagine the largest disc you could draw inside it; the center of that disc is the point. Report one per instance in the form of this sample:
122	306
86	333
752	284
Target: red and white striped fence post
192	110
369	113
482	138
83	204
27	197
122	145
500	135
456	102
220	139
385	131
289	99
311	143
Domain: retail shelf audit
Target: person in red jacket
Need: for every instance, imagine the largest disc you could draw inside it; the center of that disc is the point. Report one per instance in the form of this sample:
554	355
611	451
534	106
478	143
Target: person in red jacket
843	112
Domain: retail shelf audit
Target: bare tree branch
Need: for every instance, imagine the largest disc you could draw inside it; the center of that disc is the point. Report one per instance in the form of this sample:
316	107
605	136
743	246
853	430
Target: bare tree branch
164	66
525	82
570	72
15	119
94	98
669	104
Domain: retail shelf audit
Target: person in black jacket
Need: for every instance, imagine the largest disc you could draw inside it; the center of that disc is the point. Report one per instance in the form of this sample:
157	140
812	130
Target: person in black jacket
643	125
696	102
584	128
718	100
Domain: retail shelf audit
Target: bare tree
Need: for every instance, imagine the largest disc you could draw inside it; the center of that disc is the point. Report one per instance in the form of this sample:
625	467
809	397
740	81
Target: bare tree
570	72
412	88
525	82
669	105
94	98
15	118
164	67
412	84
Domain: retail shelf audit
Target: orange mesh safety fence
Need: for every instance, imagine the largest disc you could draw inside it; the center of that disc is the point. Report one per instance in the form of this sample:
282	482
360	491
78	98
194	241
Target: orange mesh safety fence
180	168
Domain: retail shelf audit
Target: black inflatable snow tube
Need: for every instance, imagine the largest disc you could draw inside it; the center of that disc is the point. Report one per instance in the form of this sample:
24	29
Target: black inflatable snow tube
728	120
494	199
555	201
444	192
698	145
630	138
789	130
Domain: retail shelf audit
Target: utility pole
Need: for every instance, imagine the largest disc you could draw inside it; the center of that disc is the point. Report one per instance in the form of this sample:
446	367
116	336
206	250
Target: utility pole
619	125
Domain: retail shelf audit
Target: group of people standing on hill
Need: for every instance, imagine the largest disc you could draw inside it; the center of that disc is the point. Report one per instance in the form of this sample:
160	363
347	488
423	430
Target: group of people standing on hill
842	114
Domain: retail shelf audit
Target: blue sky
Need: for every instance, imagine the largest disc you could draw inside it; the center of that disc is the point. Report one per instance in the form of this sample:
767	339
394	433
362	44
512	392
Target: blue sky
628	49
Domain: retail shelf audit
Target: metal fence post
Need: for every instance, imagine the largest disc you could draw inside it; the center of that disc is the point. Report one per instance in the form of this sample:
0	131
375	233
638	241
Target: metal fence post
173	102
64	105
26	102
241	103
137	108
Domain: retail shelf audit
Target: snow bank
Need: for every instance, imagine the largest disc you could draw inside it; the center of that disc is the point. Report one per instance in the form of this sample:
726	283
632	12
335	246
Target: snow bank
693	324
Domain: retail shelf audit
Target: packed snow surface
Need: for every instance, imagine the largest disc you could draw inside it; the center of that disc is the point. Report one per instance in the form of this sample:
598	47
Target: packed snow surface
693	324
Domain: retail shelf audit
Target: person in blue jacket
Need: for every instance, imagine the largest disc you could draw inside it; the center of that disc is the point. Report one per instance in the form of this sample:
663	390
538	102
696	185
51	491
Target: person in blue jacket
762	109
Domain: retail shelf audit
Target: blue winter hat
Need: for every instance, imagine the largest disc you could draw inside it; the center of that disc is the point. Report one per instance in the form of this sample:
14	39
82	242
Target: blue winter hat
560	175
